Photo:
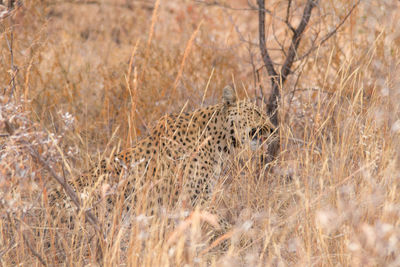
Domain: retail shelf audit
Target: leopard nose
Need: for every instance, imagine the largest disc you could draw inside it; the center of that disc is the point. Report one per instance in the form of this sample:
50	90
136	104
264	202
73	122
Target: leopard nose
255	144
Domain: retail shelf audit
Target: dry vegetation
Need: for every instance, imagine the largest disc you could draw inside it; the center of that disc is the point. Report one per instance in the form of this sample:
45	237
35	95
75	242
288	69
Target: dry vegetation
86	78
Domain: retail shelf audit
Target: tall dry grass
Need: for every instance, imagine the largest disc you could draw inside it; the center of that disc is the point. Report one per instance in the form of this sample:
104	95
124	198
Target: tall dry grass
92	76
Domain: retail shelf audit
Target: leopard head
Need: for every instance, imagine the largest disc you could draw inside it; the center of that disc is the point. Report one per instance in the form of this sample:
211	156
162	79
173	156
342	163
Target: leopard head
246	123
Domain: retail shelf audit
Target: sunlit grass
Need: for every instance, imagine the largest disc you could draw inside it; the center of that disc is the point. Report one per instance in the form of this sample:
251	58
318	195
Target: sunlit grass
93	77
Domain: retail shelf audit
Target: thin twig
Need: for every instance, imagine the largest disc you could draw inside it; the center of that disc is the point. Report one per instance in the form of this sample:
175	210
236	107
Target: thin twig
244	40
251	5
295	85
68	189
253	66
288	15
226	6
260	84
13	68
330	34
33	251
128	4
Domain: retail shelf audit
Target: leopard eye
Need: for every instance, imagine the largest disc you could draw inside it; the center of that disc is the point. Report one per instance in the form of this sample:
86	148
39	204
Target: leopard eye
266	131
263	131
253	132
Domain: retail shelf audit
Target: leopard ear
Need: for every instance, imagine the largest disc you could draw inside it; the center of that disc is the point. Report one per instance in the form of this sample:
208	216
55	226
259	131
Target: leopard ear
228	95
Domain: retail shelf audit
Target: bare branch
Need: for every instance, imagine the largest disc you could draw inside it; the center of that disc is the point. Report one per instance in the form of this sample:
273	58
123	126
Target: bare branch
251	5
14	69
331	33
68	189
253	66
287	16
33	251
247	41
260	84
224	5
296	40
129	4
278	81
264	51
252	8
282	48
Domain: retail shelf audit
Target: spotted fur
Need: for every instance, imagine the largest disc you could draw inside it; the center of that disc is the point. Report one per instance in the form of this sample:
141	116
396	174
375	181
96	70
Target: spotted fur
181	159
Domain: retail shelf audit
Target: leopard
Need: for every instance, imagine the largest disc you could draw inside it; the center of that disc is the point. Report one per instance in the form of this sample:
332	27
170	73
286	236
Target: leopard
179	162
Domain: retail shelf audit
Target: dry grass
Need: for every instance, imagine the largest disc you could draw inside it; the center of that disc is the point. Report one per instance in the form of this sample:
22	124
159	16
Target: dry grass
92	77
